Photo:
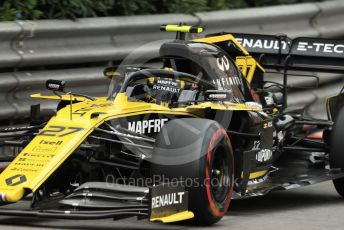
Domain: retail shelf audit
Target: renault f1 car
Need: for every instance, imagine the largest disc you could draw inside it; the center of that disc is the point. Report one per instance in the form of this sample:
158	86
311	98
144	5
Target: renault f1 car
179	142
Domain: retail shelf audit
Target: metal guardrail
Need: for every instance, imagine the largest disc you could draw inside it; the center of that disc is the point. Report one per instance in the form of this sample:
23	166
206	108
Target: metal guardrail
18	86
293	20
89	40
329	20
34	51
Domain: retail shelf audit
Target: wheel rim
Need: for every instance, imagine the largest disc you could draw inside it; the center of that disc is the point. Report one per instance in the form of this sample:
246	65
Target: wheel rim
220	175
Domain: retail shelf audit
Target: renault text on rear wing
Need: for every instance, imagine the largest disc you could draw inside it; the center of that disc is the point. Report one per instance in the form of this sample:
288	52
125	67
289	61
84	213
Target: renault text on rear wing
315	54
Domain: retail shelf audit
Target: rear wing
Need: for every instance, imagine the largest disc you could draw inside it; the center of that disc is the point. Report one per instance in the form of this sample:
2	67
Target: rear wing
305	54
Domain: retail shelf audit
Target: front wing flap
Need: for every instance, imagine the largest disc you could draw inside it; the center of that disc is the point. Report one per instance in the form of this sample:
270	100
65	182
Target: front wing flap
165	203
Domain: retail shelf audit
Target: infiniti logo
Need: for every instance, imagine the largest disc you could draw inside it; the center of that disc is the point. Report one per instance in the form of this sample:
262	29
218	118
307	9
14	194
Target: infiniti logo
223	63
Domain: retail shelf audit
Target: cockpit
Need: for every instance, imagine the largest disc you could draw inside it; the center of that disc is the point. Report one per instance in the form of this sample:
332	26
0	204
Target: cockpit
165	86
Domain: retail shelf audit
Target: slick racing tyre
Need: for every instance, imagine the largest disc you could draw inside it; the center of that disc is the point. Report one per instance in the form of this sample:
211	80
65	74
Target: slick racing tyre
198	152
336	149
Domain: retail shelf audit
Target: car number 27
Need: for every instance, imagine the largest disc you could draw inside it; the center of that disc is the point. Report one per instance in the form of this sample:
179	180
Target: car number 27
59	131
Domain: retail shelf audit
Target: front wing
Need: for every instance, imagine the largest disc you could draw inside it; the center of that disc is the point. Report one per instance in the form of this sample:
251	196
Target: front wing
98	200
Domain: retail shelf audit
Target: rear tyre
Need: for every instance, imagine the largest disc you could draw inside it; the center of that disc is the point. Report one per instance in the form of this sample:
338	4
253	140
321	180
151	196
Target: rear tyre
198	151
337	149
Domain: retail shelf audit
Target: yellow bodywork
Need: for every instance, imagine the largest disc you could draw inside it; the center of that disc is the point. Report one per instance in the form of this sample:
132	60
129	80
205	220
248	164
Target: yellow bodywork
255	175
181	28
64	97
174	218
221	38
248	66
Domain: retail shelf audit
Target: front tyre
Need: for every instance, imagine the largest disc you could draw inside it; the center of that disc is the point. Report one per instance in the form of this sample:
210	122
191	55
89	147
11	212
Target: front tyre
198	151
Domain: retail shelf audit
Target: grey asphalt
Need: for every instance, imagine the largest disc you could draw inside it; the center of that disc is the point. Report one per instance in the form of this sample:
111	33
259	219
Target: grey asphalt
315	207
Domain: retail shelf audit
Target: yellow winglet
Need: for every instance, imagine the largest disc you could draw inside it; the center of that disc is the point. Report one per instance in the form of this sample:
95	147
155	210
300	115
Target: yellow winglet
174	217
63	97
181	28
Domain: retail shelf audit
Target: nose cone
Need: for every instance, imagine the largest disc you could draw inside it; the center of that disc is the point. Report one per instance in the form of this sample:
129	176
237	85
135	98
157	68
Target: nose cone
11	196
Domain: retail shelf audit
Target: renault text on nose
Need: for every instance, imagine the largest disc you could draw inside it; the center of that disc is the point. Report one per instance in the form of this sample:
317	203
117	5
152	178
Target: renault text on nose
167	199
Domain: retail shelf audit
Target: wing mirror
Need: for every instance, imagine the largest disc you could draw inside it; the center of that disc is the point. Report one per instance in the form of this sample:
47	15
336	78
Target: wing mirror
55	85
111	72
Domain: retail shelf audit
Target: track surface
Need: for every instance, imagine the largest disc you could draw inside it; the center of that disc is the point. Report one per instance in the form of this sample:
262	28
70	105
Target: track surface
313	207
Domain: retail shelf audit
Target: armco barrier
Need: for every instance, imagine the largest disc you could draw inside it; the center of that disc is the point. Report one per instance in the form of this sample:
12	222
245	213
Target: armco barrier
84	80
329	21
9	31
61	47
52	42
7	84
293	20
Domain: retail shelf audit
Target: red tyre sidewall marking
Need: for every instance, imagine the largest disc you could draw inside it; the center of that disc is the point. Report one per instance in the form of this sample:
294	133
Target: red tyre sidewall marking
212	205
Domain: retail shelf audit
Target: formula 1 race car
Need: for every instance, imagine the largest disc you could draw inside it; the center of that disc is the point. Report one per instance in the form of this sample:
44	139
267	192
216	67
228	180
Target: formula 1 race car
179	142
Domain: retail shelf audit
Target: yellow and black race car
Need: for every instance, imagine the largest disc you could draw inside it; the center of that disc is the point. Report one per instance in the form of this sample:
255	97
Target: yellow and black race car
179	142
